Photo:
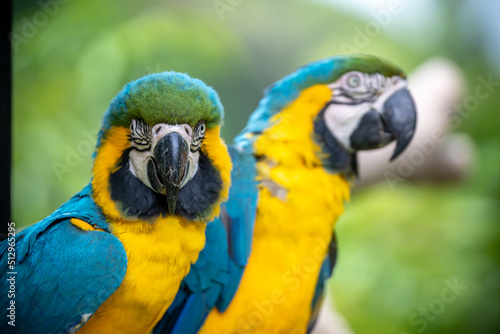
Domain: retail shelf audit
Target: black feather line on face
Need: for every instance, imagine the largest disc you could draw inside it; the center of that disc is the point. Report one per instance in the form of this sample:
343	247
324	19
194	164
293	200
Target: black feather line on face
199	134
369	96
337	157
195	201
140	132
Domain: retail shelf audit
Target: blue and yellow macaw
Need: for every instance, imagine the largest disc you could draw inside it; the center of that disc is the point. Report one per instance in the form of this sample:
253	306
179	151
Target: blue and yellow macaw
292	163
111	259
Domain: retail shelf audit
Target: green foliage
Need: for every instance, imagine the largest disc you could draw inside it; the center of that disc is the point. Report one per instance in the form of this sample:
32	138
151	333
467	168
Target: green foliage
400	250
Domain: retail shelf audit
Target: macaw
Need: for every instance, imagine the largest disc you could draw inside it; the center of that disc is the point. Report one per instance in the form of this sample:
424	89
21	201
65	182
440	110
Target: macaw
292	164
111	259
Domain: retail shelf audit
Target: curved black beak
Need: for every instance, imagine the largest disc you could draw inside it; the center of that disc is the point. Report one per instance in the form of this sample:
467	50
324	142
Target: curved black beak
397	121
400	118
169	168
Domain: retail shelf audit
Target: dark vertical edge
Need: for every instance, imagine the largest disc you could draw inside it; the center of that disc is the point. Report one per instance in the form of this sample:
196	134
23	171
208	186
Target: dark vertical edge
5	118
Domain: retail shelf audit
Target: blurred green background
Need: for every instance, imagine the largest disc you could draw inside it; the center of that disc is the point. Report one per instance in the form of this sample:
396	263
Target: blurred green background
399	250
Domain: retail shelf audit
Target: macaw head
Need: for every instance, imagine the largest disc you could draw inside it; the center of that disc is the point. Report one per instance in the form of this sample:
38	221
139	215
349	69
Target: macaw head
349	103
159	151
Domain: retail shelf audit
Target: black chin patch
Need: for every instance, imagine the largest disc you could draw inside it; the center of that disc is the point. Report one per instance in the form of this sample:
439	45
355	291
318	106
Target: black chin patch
337	158
200	194
135	199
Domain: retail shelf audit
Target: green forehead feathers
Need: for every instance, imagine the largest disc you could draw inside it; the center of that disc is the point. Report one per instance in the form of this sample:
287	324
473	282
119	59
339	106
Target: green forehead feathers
168	97
365	64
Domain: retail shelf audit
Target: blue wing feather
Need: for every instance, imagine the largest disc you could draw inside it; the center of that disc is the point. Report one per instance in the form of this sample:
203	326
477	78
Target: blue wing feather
325	273
215	277
62	274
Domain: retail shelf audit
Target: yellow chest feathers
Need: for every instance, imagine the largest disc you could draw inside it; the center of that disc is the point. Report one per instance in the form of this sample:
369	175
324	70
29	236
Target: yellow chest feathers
290	243
297	196
159	257
299	203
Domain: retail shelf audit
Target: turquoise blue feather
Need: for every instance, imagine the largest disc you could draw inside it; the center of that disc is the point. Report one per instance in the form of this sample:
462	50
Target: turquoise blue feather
63	274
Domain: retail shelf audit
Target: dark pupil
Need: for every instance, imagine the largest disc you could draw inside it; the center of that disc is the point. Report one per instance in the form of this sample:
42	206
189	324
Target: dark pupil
353	81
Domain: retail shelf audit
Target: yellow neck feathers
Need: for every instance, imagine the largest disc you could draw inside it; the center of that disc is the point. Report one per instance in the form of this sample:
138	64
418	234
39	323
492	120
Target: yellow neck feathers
289	141
215	148
291	174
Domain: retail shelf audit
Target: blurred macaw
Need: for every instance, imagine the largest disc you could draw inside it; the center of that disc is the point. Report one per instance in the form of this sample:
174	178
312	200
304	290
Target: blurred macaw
111	259
293	161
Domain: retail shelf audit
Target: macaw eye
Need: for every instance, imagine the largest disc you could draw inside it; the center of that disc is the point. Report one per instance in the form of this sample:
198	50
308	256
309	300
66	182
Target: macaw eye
199	134
140	135
353	81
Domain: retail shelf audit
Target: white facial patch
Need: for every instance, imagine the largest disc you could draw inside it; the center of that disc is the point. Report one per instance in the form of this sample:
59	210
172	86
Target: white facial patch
139	159
343	119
